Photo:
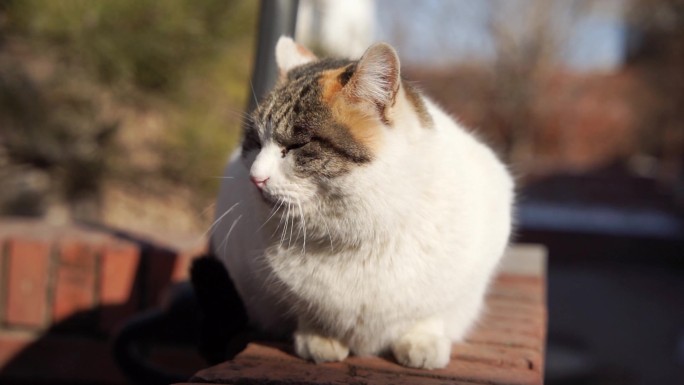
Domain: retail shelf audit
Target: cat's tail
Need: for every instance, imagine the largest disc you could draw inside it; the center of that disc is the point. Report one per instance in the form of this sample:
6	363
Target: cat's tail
224	318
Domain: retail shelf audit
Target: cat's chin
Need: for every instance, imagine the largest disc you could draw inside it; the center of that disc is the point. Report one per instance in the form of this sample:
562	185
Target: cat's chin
280	197
269	198
272	199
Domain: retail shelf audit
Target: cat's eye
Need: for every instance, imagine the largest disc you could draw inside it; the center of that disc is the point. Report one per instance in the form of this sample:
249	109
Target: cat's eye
292	147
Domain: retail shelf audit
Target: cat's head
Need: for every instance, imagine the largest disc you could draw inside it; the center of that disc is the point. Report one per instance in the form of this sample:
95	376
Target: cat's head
324	119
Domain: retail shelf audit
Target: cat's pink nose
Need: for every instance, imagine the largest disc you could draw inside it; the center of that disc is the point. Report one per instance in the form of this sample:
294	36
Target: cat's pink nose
259	182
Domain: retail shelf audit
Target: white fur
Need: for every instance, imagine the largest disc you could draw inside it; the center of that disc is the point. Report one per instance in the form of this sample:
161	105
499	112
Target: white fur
290	54
398	261
377	75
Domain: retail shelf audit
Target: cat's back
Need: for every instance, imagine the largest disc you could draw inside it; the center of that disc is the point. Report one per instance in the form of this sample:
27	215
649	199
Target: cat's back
452	159
472	190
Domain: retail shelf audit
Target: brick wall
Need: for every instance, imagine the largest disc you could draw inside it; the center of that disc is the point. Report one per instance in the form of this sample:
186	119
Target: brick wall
72	286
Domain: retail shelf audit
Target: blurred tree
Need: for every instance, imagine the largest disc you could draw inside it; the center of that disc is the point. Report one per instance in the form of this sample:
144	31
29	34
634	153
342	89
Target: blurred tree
147	43
656	50
80	82
527	51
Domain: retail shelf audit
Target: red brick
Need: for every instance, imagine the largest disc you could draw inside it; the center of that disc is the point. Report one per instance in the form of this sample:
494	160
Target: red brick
477	359
513	310
497	355
521	293
502	338
181	270
456	370
27	271
513	326
257	371
493	355
77	252
75	281
12	344
371	377
167	267
160	266
119	265
529	286
517	295
517	279
74	292
187	253
264	371
261	363
118	290
269	350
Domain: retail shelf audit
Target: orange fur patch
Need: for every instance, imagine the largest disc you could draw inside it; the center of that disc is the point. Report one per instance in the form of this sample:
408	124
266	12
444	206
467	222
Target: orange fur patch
361	122
330	84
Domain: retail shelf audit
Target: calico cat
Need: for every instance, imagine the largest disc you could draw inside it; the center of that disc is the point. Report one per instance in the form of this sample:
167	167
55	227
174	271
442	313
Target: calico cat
358	217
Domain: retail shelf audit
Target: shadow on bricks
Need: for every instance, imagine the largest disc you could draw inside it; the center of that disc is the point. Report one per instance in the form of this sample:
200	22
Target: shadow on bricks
66	291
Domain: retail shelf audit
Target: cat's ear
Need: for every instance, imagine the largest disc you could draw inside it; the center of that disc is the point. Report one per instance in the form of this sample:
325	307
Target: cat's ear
376	78
290	54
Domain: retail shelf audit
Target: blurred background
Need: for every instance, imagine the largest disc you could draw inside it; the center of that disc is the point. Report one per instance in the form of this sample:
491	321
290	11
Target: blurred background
120	114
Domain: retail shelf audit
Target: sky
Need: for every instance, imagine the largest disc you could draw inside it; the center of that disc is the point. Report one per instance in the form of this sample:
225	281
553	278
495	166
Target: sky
597	43
438	32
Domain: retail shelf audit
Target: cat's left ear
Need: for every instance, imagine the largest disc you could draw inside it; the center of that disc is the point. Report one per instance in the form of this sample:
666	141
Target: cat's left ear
376	78
290	54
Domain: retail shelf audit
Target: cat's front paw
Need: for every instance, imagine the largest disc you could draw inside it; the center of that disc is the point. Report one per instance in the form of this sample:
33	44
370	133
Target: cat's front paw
422	351
311	346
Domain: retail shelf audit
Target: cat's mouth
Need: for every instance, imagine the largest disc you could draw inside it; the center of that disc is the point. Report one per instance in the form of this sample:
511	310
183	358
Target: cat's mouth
267	197
276	196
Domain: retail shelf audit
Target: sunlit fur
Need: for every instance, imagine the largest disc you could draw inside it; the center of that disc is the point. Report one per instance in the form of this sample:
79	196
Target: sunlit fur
395	254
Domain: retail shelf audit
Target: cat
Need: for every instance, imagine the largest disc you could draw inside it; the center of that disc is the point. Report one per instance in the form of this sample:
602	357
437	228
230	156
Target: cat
357	217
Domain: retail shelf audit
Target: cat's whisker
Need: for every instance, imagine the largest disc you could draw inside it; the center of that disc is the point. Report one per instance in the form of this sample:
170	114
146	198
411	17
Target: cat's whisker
273	212
206	210
230	230
289	242
299	223
303	227
212	228
202	215
254	95
280	222
287	218
242	115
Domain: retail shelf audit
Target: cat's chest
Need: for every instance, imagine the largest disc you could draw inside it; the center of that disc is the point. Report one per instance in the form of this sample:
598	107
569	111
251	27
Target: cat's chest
348	291
336	275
